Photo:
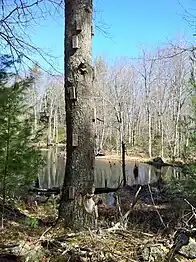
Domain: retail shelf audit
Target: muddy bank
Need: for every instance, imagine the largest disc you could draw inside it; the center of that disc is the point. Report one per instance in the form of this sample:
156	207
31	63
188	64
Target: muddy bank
156	209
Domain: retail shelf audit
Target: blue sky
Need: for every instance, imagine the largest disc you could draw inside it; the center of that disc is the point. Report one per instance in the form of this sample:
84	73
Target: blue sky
129	25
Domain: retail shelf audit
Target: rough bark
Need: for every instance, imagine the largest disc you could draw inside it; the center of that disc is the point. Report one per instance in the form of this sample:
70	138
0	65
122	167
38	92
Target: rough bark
79	173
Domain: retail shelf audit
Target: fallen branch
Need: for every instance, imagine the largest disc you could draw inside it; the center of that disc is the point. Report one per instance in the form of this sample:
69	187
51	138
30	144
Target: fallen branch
156	207
192	207
56	190
44	191
122	224
3	246
46	231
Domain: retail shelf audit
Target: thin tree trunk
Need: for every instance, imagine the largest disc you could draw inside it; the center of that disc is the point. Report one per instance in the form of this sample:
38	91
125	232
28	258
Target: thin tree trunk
123	164
149	134
121	131
162	140
50	125
117	141
96	134
35	107
54	126
56	129
175	149
35	118
129	132
5	171
103	129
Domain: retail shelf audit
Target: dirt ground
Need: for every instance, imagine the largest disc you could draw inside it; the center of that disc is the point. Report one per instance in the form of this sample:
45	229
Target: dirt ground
151	221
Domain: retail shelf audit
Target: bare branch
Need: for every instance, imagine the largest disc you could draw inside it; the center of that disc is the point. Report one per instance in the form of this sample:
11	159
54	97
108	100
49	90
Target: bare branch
16	18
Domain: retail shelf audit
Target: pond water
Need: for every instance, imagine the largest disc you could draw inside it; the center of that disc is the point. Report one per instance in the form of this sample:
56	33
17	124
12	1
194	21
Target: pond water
106	171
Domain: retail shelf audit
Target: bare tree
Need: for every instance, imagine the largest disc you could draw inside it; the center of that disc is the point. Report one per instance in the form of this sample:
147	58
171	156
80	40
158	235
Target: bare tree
16	20
154	97
148	80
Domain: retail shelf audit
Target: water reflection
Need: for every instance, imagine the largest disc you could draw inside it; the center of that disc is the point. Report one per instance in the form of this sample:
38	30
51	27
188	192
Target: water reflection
107	172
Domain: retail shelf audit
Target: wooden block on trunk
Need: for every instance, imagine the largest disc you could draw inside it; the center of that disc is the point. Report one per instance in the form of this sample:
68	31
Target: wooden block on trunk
75	42
78	25
71	193
72	93
75	140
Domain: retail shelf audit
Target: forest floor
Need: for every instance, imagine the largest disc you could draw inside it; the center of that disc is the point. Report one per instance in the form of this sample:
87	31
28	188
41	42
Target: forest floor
146	234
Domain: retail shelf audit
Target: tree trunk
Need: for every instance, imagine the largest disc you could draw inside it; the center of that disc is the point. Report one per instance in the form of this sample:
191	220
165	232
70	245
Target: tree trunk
121	128
57	129
149	134
54	125
162	140
123	164
117	141
76	207
103	127
50	125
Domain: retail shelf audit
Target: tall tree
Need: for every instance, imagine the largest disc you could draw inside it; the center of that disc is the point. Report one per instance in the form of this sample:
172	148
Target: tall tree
35	74
19	159
193	101
77	204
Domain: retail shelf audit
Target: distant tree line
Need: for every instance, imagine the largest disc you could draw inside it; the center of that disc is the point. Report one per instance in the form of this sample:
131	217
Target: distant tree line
148	103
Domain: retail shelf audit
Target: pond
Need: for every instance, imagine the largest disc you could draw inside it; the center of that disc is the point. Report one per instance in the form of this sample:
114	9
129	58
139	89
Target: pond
107	172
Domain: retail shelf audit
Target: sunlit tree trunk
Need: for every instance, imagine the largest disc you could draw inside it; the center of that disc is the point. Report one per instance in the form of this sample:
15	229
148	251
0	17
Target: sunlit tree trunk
56	129
149	134
162	140
103	126
79	173
50	124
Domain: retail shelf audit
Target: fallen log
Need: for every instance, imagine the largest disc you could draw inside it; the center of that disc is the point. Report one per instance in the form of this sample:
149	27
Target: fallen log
158	163
45	191
101	190
57	190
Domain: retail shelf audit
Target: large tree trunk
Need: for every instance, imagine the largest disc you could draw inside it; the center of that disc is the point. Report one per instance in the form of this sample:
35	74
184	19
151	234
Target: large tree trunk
79	174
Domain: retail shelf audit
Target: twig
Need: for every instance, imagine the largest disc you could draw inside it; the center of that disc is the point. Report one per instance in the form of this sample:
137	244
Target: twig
155	206
192	207
135	199
91	236
8	246
122	224
46	231
118	205
119	255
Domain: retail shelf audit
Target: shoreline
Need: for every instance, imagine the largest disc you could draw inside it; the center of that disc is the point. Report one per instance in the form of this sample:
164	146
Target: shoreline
127	158
110	156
